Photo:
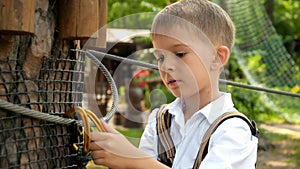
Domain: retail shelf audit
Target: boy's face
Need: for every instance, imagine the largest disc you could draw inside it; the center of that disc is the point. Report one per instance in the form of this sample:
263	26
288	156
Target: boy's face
184	65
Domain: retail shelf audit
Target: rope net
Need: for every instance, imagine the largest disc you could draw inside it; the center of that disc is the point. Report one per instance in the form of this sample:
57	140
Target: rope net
34	143
259	46
260	52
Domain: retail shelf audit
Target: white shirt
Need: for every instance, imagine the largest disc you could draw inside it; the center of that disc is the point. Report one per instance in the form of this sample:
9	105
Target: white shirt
231	146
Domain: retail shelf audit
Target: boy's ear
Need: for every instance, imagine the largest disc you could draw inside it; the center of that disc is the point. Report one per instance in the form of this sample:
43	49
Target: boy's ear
223	53
222	57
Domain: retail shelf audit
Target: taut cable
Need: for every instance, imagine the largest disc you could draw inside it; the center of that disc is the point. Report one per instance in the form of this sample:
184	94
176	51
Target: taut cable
101	55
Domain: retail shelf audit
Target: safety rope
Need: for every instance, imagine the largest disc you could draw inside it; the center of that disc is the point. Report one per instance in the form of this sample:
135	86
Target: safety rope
85	116
35	114
101	55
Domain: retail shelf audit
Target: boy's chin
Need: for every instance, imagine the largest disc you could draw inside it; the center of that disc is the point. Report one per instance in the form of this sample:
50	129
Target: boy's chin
176	94
180	95
184	94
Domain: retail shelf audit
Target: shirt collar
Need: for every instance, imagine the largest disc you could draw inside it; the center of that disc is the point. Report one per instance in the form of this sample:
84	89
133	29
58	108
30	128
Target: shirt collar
175	106
217	107
211	111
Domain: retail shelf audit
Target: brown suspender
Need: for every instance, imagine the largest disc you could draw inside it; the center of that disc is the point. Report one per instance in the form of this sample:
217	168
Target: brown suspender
203	150
166	148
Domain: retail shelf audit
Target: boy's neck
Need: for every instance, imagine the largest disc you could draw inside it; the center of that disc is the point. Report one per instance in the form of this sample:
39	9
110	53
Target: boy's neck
197	102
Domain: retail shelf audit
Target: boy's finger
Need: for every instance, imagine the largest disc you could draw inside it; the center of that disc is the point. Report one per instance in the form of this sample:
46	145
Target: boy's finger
99	157
98	154
100	161
100	136
95	146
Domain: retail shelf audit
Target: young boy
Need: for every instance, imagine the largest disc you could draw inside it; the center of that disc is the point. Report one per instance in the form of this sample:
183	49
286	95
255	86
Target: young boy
192	40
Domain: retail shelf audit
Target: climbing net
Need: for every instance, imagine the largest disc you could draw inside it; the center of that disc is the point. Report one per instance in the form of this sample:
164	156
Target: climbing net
259	47
260	52
27	142
43	131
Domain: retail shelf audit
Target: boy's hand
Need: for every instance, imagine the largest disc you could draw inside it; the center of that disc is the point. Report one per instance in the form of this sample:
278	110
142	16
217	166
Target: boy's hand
113	150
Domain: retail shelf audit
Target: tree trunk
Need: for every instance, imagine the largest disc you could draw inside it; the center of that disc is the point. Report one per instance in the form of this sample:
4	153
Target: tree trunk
39	72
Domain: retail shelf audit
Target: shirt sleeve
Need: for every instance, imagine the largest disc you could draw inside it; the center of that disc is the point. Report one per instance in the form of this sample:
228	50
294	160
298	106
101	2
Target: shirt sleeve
148	142
231	146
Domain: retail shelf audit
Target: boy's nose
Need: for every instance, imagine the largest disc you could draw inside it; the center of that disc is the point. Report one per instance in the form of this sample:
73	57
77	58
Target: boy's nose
168	64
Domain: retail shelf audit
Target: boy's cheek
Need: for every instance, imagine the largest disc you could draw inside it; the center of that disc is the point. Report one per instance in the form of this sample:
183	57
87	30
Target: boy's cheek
215	66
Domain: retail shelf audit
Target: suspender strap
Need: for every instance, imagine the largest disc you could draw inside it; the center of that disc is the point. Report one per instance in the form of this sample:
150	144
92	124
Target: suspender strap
204	145
166	148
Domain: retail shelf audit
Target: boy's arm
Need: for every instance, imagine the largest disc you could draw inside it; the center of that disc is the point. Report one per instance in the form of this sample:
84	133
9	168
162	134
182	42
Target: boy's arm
148	141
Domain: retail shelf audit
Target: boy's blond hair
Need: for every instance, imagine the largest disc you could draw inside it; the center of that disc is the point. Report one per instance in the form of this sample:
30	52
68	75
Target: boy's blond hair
208	17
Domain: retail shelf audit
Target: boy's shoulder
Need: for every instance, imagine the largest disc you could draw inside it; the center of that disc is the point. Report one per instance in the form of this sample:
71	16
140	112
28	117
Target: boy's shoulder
234	114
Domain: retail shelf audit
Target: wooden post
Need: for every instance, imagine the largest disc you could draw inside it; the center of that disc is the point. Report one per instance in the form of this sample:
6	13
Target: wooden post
101	40
17	17
78	19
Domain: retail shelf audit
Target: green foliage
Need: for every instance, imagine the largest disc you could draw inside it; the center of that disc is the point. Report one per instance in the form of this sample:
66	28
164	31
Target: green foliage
256	66
146	40
289	106
133	13
256	104
250	103
286	18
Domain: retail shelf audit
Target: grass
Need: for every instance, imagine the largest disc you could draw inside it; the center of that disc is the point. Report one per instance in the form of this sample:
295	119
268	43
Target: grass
133	135
289	106
278	150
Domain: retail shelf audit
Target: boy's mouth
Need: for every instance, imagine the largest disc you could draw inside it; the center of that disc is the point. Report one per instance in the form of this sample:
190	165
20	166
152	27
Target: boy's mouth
172	81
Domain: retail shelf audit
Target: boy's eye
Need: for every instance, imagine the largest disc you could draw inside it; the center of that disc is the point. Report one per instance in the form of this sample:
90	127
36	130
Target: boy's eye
160	58
180	54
